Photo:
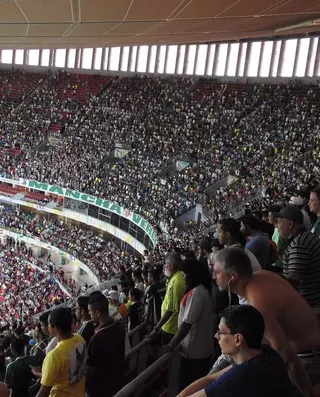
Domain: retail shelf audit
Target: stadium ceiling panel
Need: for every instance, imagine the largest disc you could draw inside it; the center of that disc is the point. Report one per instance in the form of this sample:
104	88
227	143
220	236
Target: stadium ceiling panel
103	23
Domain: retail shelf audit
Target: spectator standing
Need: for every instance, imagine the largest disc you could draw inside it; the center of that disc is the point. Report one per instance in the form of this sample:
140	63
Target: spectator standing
18	374
257	243
314	205
116	306
258	371
168	324
301	260
195	323
85	326
154	296
281	242
63	370
135	313
106	351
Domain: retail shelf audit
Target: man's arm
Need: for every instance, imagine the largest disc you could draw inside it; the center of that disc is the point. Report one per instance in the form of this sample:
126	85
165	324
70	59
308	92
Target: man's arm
200	384
163	320
278	341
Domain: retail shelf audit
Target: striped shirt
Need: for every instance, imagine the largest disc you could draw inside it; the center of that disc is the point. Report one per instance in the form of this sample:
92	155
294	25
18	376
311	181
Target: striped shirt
301	260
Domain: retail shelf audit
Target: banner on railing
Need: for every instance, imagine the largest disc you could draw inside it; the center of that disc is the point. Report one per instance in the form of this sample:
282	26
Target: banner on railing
87	198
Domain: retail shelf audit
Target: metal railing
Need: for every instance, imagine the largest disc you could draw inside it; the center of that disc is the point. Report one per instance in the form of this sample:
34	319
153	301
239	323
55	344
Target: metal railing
168	362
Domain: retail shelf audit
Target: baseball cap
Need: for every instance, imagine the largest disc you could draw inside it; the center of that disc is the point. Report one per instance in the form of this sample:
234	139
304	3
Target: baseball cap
291	213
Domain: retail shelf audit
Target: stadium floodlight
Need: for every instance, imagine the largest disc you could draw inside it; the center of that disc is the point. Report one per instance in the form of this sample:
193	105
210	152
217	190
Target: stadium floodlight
304	24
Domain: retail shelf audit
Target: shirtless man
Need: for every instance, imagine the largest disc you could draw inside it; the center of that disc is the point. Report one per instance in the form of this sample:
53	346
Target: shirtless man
291	327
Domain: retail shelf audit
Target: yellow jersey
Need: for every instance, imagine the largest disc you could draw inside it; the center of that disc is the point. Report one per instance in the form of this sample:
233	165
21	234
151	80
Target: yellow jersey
64	368
171	302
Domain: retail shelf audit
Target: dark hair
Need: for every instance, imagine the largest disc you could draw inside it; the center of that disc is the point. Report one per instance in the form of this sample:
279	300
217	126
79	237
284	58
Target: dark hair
189	254
205	244
99	303
155	274
137	273
94	294
247	321
316	191
251	221
232	226
83	302
196	273
61	318
136	293
17	346
235	260
44	318
114	288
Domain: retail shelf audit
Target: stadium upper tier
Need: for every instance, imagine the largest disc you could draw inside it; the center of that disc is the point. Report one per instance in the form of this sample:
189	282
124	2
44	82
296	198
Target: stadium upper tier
265	135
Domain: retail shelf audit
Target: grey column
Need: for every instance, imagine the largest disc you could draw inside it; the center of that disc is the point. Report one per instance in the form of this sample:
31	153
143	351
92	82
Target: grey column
296	58
309	56
317	60
261	58
227	60
215	61
186	60
196	59
281	58
273	57
247	60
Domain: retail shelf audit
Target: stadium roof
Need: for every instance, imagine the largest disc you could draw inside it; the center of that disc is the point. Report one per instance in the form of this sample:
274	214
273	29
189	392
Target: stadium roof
100	23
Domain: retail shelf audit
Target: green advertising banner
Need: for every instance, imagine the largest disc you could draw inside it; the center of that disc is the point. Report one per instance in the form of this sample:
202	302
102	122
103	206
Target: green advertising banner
87	198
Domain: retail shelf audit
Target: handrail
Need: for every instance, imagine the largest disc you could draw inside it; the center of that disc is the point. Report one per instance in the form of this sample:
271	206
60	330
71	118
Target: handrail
137	348
138	328
140	380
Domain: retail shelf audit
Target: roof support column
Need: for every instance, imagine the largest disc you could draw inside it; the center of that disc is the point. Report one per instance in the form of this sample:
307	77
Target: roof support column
177	59
77	58
93	58
206	67
149	58
196	59
120	58
296	58
317	60
103	55
216	60
247	60
281	58
186	59
227	60
273	57
261	57
240	54
67	58
309	56
26	57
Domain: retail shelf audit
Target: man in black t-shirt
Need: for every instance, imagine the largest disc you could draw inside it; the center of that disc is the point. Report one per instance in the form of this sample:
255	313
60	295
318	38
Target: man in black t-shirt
135	313
106	351
154	296
258	371
86	325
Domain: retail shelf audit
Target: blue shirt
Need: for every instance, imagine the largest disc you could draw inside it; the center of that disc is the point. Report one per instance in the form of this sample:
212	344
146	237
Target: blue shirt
264	375
259	245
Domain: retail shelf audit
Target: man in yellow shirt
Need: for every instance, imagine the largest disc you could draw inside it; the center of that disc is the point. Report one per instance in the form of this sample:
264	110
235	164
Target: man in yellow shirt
168	323
64	367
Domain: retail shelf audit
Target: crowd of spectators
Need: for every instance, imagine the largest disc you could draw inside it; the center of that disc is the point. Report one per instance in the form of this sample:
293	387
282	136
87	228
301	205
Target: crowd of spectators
251	131
265	135
27	284
101	255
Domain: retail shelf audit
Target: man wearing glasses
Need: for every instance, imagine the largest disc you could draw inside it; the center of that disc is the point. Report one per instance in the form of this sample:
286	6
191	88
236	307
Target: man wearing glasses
257	371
